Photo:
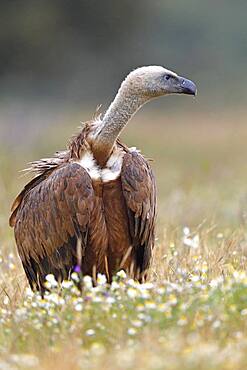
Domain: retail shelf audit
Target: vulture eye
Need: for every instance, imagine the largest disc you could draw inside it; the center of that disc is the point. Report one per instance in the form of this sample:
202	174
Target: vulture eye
167	77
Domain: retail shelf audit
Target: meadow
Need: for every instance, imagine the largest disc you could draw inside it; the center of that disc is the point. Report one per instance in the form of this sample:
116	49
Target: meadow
192	311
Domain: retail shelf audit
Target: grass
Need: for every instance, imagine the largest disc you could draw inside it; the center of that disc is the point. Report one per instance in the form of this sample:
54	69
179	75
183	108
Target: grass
192	313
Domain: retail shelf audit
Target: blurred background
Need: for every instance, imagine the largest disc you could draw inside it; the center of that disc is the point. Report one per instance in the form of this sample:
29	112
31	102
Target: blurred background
60	59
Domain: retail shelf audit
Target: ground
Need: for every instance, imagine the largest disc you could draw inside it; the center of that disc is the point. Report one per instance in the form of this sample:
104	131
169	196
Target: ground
192	312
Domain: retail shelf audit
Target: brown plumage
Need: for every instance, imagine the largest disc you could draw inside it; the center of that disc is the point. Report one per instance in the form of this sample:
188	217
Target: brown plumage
93	205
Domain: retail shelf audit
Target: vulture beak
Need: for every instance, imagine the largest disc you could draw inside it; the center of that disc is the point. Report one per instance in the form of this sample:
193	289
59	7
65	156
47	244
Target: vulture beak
186	87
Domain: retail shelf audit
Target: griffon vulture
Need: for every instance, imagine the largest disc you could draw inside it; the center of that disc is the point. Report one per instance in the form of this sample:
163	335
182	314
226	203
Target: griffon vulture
92	207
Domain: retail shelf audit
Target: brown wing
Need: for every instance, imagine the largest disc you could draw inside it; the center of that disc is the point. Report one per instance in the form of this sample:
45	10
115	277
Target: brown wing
16	204
50	218
139	189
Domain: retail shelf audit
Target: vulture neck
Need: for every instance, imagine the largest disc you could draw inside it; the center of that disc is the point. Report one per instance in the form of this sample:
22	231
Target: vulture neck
126	103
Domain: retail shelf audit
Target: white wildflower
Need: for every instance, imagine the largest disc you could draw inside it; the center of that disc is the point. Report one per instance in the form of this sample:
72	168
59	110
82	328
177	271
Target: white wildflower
90	332
186	231
132	283
97	299
145	294
195	278
97	349
51	280
87	282
6	300
239	276
150	304
132	293
244	312
192	242
172	300
214	283
216	324
137	323
29	293
67	284
114	285
182	321
121	274
78	307
52	297
101	279
146	286
131	331
161	291
110	300
12	266
75	277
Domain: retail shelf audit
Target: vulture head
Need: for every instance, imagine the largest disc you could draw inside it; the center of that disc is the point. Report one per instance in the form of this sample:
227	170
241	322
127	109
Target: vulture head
154	81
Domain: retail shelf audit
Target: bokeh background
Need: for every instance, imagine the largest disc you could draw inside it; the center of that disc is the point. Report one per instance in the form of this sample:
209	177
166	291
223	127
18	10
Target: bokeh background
60	59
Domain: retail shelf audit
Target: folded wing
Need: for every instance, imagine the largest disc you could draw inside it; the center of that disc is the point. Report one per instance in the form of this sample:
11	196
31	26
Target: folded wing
50	216
139	189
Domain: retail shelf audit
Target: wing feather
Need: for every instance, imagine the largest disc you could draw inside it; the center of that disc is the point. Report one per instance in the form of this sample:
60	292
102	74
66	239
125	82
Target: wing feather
49	218
139	189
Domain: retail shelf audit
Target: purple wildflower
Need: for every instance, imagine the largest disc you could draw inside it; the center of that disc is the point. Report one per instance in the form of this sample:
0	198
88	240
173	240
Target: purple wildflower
77	269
